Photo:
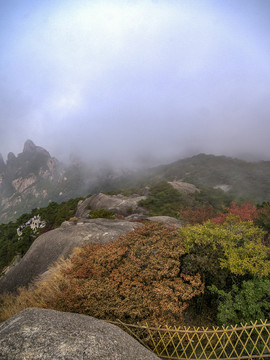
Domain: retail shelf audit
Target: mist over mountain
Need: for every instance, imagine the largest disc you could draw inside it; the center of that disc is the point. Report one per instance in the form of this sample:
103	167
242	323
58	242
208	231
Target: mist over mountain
34	178
136	83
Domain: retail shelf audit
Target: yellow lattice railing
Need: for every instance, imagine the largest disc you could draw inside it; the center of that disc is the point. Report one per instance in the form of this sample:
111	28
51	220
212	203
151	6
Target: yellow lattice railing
234	342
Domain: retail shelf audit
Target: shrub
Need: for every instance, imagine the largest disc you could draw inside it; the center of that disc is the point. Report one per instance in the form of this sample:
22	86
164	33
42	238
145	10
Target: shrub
54	214
234	246
245	212
134	279
263	220
245	304
225	255
101	213
163	200
196	215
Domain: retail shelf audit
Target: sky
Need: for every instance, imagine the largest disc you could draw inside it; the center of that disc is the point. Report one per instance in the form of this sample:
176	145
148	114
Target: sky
136	81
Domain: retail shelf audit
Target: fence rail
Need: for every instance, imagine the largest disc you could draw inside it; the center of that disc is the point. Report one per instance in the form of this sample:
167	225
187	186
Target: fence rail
223	343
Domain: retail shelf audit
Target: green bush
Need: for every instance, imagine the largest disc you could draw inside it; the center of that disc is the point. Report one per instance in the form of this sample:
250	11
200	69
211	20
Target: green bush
243	304
101	213
53	215
163	200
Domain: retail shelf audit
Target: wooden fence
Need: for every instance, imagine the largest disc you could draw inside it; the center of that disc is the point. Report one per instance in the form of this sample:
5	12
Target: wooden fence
231	342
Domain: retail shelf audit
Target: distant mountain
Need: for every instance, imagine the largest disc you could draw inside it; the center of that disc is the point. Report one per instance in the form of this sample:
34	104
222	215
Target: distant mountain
238	178
34	178
248	180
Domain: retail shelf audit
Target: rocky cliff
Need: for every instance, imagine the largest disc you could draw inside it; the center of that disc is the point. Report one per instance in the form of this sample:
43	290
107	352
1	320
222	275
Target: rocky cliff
33	178
28	180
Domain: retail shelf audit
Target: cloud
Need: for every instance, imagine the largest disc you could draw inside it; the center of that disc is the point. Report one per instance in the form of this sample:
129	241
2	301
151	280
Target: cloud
121	80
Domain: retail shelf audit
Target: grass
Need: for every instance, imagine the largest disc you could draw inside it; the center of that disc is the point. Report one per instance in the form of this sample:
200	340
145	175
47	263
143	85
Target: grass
40	293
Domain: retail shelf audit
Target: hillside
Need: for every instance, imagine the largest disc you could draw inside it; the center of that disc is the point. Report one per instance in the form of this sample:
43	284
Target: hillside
243	179
194	269
33	179
238	178
155	273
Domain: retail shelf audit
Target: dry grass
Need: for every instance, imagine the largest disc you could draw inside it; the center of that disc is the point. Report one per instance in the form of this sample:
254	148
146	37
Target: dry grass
40	293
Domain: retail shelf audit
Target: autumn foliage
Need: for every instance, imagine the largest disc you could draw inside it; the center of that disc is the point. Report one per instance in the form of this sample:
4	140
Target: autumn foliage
245	212
135	279
234	246
197	215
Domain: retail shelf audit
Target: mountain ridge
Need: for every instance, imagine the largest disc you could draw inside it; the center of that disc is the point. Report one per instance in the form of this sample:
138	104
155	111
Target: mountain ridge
34	178
239	178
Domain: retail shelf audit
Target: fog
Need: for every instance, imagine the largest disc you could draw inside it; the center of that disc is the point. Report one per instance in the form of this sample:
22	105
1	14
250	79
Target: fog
136	82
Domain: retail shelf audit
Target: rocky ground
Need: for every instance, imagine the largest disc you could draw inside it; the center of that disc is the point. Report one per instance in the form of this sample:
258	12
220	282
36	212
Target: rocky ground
47	334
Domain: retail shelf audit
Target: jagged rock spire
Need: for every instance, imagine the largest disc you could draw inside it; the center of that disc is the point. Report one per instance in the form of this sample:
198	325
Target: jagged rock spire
2	163
29	146
11	157
31	149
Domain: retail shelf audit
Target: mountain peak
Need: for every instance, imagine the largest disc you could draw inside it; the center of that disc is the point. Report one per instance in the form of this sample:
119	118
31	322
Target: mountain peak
31	149
29	146
1	159
11	157
2	163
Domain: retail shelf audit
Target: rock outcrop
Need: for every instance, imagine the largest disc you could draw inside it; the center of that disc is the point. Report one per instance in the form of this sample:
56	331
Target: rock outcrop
184	187
30	178
31	148
48	334
50	246
119	204
223	187
2	164
167	220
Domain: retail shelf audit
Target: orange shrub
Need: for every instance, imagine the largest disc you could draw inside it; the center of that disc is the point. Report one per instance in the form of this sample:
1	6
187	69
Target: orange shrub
137	278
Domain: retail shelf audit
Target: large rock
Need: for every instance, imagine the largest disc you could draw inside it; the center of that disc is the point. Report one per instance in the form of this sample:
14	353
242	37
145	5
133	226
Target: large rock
167	220
119	204
183	187
49	247
47	334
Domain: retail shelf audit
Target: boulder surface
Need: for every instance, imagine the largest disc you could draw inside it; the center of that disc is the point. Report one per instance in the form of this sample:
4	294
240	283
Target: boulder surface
183	187
48	334
167	220
119	204
50	246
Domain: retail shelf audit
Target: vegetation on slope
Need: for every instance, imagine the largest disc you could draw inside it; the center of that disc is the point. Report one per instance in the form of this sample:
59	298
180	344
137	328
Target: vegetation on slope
245	180
11	244
135	279
101	213
217	271
163	200
248	180
231	254
218	264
